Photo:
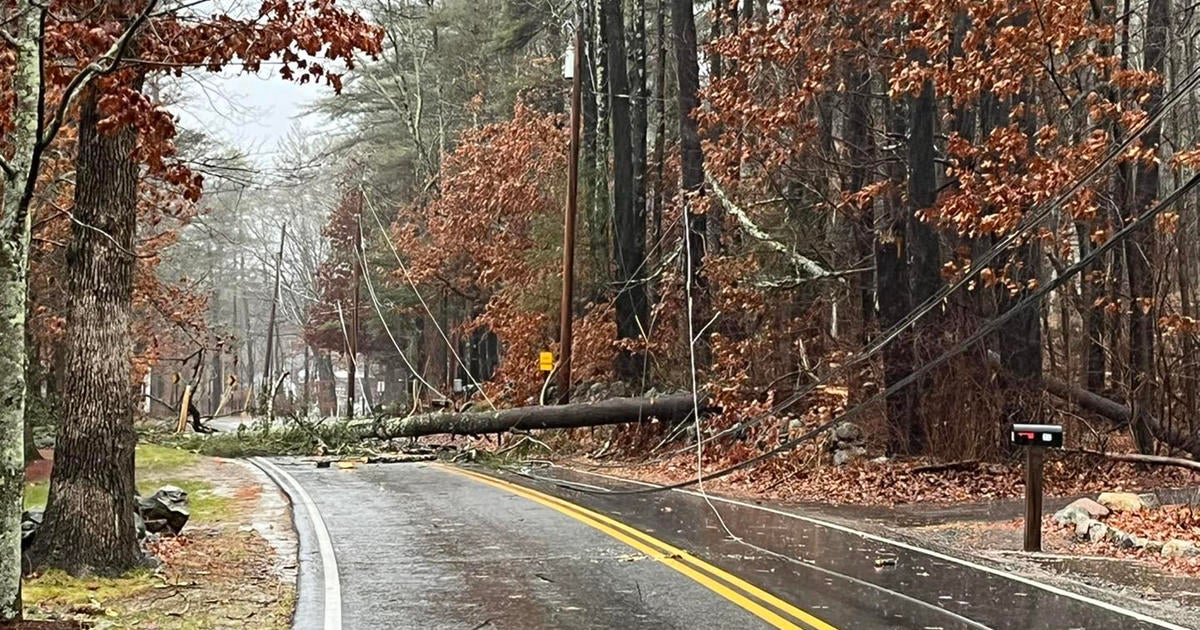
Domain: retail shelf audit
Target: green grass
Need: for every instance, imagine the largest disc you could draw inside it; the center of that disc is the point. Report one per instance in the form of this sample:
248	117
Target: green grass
56	588
154	460
35	495
159	466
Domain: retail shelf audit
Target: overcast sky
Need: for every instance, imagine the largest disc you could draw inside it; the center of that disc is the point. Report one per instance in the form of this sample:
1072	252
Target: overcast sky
252	113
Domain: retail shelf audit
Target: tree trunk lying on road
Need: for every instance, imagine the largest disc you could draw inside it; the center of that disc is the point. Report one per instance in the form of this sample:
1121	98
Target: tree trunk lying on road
673	408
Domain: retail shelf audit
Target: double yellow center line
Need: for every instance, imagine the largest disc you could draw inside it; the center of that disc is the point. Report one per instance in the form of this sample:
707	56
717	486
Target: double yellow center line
760	603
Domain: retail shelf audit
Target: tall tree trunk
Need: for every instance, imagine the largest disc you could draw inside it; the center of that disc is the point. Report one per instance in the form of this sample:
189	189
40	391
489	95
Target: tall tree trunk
14	265
629	220
893	293
687	70
1091	287
923	246
1140	252
598	209
88	525
660	124
1021	336
326	385
860	152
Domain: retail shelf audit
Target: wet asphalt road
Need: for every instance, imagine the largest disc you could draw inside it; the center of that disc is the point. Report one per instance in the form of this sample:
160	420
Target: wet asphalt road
420	546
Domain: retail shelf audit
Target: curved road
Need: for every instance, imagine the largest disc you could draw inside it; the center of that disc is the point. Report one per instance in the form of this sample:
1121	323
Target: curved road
430	546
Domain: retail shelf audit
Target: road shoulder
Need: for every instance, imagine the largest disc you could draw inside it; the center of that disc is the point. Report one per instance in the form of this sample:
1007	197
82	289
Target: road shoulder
233	564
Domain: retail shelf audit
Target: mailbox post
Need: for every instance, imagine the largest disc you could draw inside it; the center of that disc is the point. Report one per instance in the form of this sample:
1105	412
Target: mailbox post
1036	438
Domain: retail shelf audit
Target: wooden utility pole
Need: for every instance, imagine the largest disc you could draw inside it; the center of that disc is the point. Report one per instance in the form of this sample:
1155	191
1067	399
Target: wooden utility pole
568	266
354	311
267	373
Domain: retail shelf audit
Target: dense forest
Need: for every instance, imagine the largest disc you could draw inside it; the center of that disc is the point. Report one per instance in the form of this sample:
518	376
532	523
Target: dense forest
939	216
849	191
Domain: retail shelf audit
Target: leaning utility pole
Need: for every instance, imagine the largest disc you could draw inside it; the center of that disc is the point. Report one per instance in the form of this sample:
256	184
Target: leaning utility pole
354	311
568	266
267	374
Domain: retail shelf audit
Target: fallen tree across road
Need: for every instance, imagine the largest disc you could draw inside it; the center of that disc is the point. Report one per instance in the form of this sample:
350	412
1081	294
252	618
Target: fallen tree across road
667	409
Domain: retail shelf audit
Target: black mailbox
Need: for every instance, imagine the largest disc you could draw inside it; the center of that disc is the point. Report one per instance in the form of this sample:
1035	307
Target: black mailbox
1048	435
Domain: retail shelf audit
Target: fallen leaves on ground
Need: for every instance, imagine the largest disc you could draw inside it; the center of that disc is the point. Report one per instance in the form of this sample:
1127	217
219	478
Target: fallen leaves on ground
219	573
895	483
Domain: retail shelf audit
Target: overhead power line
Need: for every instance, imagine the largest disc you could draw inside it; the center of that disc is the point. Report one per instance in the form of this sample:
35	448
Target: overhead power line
1029	223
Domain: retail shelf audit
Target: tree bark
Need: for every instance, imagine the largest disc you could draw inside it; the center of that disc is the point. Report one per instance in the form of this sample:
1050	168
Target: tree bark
858	138
14	266
629	211
1139	248
687	69
668	409
88	525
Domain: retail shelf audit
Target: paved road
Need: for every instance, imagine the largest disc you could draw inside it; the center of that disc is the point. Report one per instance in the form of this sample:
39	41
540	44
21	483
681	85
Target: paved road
429	546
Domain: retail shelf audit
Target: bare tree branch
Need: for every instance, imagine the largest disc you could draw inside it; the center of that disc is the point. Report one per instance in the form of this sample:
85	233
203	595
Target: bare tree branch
808	267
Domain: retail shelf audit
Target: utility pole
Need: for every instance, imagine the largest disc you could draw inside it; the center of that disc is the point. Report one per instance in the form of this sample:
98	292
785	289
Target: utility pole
354	311
267	373
568	266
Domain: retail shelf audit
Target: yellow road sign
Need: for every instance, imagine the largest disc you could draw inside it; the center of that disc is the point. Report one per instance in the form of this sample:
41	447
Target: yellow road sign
546	361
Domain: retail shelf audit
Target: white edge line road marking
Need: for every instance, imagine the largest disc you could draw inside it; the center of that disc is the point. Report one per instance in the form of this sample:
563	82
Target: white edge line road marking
329	569
903	545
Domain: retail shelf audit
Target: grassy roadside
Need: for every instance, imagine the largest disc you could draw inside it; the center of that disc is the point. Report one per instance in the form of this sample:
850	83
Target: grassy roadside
218	574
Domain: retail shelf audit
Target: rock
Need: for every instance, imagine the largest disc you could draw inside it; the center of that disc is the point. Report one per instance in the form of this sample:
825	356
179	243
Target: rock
848	432
165	510
1093	509
618	390
1115	536
1082	527
1097	531
139	524
1176	548
1126	501
43	442
30	522
882	459
651	393
844	456
1072	515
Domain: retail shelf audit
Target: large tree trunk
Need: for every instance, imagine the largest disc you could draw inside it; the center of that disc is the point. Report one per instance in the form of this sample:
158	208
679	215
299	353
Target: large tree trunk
687	70
14	264
88	525
668	409
861	151
629	216
892	292
1139	248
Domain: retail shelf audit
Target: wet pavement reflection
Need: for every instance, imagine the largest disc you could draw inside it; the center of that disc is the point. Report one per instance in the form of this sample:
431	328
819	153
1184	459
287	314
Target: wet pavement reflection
846	579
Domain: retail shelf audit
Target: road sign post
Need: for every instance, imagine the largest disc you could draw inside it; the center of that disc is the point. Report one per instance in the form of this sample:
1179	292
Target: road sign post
1036	438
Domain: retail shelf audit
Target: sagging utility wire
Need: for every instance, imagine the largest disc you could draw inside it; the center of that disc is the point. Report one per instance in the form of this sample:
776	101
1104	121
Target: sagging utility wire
424	305
1028	224
989	327
366	274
